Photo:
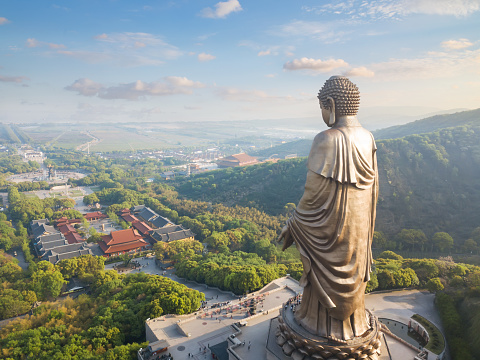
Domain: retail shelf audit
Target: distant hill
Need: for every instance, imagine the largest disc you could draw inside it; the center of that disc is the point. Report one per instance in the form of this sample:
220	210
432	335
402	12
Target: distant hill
299	147
429	124
428	182
423	126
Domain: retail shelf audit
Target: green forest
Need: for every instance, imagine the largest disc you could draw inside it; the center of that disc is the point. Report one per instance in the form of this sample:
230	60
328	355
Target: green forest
427	237
427	182
107	324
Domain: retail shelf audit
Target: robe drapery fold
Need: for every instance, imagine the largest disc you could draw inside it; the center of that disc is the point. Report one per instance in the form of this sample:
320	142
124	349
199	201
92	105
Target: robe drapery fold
333	229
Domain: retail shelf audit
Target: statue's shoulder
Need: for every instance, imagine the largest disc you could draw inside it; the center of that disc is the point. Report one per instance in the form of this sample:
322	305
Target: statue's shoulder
325	146
327	136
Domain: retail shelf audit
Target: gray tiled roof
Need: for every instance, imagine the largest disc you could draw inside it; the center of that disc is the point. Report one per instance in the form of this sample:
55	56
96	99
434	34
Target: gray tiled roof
136	209
147	214
42	229
42	248
47	238
64	249
160	222
168	229
171	233
152	217
39	221
54	258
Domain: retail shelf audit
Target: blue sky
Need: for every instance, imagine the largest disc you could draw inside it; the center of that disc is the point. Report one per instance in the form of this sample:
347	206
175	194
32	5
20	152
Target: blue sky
202	60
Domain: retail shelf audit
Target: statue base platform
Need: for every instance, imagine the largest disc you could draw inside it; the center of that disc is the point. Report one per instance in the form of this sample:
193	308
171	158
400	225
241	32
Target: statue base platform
299	344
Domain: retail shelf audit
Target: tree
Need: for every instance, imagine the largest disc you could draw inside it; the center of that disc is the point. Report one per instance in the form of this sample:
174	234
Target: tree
379	240
475	235
470	245
434	285
405	278
289	208
47	280
160	249
442	241
217	239
385	279
372	284
458	270
390	255
95	238
424	268
413	237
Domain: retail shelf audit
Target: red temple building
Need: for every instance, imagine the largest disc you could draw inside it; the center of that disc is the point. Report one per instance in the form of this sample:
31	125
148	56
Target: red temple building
123	241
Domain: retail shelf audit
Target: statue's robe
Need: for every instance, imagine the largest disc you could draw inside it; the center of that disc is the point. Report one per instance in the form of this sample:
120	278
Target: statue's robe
333	226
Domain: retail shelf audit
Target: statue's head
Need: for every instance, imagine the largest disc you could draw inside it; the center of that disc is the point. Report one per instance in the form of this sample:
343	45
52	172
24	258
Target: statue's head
338	97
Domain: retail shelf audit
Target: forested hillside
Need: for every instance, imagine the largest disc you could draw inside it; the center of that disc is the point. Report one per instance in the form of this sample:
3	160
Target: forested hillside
430	124
427	182
423	126
267	186
299	147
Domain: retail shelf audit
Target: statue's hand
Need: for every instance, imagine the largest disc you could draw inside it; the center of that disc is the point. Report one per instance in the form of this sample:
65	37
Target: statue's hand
287	236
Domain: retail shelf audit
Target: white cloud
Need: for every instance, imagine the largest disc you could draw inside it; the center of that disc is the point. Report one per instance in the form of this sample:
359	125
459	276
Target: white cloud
32	43
241	95
91	57
133	49
14	79
127	50
315	64
234	94
441	7
309	28
396	9
56	46
101	36
4	21
130	40
263	50
431	65
361	71
206	36
85	87
456	44
171	85
60	7
205	57
222	9
327	32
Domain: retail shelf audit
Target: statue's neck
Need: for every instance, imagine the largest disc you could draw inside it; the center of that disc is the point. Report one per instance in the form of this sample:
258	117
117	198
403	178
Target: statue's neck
346	120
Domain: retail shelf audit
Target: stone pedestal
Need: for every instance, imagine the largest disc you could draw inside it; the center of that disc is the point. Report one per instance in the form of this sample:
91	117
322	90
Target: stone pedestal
299	344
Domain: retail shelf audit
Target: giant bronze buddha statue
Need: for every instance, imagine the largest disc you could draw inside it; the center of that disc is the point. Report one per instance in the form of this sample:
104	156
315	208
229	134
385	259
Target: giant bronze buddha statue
333	223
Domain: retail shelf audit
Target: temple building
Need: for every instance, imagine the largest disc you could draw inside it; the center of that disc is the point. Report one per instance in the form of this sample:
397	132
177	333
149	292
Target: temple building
237	160
54	245
123	241
172	233
97	215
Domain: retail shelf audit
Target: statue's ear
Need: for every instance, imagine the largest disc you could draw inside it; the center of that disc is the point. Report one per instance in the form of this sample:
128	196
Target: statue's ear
331	102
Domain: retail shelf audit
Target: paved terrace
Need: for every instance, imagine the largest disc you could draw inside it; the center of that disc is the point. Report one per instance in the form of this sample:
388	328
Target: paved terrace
396	305
192	334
